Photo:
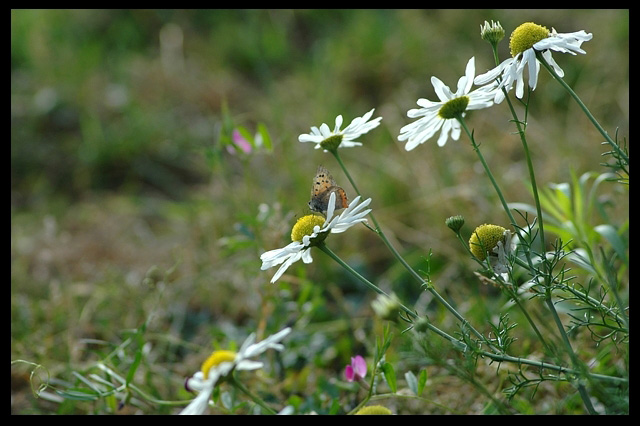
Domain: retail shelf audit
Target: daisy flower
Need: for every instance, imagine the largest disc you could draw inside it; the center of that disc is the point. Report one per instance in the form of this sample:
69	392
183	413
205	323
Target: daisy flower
527	40
312	230
222	362
329	140
443	115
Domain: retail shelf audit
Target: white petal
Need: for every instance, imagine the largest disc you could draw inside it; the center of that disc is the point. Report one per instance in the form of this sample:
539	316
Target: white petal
444	134
442	91
338	124
310	138
469	73
249	365
425	103
324	130
552	63
306	256
534	67
332	206
201	402
294	257
271	342
493	73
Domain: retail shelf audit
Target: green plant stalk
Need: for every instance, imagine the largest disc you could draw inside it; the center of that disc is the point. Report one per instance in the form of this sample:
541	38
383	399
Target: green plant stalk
476	148
594	303
366	399
574	358
404	263
460	345
506	209
541	364
515	298
532	176
242	388
496	58
582	106
322	246
529	164
546	272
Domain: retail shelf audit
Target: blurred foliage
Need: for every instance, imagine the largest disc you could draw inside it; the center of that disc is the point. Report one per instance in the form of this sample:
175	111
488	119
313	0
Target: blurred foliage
121	122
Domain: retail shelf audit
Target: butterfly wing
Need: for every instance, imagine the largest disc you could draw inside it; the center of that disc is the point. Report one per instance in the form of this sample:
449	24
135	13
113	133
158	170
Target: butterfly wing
321	182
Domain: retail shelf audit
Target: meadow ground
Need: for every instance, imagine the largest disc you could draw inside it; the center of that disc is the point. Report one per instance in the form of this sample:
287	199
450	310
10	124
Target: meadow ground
137	230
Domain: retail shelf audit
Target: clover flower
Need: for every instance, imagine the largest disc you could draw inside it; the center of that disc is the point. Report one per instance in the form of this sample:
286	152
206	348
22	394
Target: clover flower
525	41
443	116
222	362
311	230
330	140
356	370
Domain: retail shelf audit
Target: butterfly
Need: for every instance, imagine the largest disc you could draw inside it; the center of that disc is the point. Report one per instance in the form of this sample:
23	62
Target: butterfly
323	186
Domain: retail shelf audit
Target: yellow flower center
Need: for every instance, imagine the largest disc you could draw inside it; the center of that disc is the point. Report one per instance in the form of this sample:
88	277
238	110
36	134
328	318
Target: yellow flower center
484	239
525	36
215	359
374	409
304	226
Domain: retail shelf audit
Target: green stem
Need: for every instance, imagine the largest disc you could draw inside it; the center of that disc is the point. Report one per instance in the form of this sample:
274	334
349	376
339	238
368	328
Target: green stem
541	364
404	263
250	394
582	106
574	358
532	176
514	296
461	346
546	272
488	171
322	246
594	303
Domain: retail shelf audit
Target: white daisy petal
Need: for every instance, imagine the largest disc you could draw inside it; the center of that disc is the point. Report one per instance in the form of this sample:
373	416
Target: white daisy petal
442	91
332	205
533	67
249	365
431	122
511	70
248	349
444	133
470	71
286	256
338	124
492	74
552	63
357	127
199	403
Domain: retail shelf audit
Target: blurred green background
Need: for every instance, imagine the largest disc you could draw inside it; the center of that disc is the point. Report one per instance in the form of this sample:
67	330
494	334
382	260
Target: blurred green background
126	199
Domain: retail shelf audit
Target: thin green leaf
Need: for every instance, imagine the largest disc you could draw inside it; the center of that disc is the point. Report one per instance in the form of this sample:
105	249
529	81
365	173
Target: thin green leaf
422	381
79	395
266	139
609	233
412	382
390	376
